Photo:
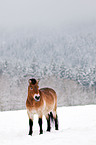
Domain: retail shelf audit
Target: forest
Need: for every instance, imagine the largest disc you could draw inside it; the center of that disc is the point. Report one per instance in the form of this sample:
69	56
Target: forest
65	56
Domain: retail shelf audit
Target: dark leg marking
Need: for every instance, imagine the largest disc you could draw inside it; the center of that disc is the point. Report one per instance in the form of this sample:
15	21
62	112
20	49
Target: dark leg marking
30	126
56	123
51	116
40	125
48	123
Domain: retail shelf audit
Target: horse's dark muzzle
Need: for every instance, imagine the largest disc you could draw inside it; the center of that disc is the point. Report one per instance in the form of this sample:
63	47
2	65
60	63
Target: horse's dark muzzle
37	98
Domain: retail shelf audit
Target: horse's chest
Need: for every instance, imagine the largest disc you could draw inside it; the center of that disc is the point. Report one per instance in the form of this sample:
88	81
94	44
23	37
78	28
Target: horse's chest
36	109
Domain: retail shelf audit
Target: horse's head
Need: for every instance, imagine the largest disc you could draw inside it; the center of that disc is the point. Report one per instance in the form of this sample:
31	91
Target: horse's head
33	89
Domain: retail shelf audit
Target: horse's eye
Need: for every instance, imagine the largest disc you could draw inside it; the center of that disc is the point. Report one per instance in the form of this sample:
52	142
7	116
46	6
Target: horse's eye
31	88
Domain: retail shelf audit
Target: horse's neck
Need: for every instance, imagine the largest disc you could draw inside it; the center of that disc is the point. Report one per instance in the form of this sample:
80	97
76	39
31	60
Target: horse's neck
41	94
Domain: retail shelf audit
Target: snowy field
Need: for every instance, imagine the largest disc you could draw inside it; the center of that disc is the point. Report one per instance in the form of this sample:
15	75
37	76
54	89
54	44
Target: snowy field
77	126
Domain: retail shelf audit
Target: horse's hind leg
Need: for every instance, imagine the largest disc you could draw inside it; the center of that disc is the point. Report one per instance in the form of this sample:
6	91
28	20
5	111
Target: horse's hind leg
56	122
55	119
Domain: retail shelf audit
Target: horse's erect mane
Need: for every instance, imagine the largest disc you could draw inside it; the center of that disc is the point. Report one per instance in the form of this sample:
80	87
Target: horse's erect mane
33	81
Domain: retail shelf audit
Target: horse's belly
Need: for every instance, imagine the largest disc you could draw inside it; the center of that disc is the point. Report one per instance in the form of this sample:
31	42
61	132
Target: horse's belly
47	108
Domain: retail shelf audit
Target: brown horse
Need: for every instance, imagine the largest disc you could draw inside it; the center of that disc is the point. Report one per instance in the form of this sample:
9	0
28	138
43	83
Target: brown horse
42	102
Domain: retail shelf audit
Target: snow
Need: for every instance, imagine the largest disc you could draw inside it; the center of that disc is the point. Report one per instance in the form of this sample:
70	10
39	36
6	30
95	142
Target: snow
77	126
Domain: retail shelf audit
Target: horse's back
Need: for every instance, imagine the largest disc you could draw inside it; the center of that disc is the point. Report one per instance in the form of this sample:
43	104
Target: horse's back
48	91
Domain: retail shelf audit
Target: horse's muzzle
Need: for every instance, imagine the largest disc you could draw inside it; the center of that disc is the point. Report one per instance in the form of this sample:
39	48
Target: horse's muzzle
37	98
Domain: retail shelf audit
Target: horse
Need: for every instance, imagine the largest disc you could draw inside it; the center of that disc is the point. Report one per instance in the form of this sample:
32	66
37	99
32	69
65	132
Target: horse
41	102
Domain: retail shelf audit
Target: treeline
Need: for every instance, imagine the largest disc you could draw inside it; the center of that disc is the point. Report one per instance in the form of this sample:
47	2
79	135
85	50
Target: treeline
86	78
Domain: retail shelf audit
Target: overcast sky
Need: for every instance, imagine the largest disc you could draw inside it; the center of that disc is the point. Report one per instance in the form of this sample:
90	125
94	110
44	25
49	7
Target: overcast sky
45	12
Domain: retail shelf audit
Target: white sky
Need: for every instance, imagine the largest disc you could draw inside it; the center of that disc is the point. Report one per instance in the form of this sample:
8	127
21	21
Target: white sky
45	12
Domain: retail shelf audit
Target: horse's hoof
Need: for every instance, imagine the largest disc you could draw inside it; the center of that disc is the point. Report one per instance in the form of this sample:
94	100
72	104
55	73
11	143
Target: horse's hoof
30	134
48	130
41	132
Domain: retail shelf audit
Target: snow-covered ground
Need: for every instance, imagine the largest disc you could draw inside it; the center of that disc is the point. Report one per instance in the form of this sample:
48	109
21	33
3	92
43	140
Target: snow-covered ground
77	126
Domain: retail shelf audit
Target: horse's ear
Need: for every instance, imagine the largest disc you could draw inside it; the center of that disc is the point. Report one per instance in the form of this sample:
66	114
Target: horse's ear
29	81
38	80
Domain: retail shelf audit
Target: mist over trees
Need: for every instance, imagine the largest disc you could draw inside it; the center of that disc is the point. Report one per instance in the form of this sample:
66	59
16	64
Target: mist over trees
64	59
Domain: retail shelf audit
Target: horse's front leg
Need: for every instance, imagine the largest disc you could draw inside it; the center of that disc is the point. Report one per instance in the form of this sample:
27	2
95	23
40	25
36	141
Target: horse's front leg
48	122
40	125
30	126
